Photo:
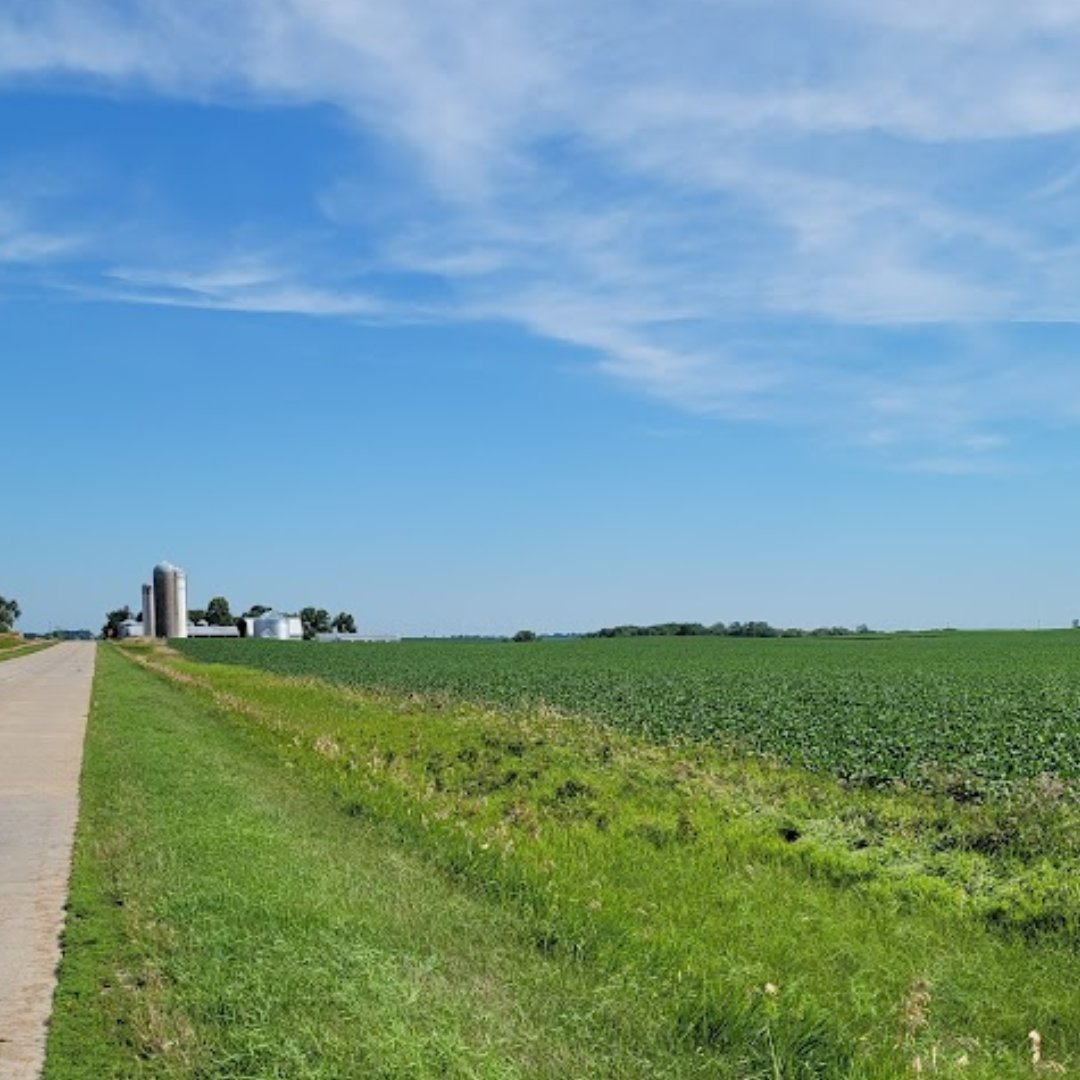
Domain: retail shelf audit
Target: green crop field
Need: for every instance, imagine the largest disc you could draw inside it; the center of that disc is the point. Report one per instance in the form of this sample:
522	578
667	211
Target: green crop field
967	712
669	903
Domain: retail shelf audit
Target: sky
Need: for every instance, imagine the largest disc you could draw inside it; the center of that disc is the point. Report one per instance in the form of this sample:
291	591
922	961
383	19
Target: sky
470	317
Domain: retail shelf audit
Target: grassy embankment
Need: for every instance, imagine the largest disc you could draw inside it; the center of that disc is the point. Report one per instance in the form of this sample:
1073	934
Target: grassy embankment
228	920
984	725
13	645
734	917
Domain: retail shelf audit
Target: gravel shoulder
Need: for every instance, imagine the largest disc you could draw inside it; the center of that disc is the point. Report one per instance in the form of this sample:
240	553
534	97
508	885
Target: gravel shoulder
44	700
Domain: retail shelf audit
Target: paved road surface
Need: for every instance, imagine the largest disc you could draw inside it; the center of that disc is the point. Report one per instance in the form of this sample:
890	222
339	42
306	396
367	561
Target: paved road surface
44	699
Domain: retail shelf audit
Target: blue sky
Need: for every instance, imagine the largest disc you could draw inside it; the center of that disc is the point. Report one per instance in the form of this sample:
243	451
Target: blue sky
467	317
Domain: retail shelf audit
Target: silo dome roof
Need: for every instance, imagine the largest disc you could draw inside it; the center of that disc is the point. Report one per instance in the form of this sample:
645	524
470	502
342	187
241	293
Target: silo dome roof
165	567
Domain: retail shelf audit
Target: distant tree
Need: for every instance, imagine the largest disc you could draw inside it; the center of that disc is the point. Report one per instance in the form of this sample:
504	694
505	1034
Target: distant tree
218	613
113	619
9	614
196	615
343	623
524	635
314	621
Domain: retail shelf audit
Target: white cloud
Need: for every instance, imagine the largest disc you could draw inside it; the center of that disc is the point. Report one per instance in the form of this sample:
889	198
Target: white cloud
647	182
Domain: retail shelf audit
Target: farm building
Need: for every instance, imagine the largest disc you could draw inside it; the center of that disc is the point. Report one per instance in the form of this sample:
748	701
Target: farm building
276	626
336	636
131	628
204	629
164	615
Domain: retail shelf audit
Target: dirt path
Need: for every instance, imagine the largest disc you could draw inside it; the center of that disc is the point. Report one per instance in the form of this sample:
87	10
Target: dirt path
44	699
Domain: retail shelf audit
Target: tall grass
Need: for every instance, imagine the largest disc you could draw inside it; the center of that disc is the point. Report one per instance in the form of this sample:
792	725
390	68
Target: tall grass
778	923
15	645
228	920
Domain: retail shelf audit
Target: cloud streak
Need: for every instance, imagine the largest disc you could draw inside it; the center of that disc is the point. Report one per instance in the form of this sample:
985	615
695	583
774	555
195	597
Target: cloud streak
248	284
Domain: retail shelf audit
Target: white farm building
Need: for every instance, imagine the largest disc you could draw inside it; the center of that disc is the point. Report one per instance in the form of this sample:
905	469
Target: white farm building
276	626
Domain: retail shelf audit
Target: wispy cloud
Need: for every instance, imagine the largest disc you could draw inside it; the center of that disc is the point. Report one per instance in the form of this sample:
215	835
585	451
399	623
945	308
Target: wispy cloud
248	283
742	209
22	242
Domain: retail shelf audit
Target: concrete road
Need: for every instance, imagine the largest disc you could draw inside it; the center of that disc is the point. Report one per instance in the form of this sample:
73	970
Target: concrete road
44	699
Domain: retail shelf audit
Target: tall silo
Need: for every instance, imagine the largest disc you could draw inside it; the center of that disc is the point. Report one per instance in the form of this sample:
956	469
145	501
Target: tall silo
170	601
148	611
164	600
181	603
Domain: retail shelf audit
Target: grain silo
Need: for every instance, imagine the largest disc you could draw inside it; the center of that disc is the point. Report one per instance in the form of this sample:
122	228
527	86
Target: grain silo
148	611
181	604
170	601
273	625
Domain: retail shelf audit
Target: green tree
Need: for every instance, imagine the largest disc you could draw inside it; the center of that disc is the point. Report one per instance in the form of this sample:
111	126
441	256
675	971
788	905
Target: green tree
524	635
343	623
218	613
314	621
196	615
9	614
113	619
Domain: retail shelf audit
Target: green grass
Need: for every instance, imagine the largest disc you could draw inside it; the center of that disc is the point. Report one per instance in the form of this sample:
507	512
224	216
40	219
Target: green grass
764	921
12	646
976	712
229	918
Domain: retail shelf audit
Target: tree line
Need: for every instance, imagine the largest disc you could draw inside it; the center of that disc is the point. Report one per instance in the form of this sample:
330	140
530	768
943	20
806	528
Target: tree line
752	629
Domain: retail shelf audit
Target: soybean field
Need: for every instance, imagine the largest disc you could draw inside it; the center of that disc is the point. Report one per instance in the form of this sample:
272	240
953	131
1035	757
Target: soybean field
963	712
